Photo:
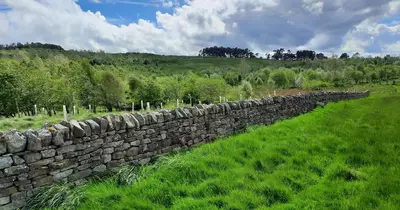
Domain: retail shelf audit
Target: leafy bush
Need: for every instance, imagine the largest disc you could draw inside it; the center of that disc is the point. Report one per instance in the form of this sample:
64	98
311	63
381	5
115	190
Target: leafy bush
234	93
312	75
211	88
299	80
291	77
247	89
316	85
278	79
232	78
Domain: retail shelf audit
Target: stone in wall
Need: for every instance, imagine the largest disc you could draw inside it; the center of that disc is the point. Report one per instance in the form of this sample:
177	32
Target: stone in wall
16	142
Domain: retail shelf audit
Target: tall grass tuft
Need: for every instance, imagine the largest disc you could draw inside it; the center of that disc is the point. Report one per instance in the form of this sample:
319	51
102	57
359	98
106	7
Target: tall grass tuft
63	196
126	175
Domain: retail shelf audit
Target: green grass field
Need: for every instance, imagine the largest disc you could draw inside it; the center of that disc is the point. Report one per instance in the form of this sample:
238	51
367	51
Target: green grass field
343	156
35	122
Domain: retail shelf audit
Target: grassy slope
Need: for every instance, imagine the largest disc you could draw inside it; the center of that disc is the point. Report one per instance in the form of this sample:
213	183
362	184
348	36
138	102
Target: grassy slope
345	156
157	64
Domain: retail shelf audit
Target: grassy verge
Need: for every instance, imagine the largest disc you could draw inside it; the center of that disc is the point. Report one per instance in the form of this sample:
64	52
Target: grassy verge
345	156
35	122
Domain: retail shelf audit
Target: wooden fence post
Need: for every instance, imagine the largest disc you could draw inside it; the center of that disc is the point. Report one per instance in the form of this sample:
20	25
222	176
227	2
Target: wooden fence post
65	113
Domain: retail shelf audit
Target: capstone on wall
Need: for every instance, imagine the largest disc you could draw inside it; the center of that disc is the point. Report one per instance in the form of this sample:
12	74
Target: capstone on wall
75	150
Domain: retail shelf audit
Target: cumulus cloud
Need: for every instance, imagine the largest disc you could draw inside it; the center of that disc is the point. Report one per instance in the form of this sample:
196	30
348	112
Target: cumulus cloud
354	45
170	3
261	25
314	7
394	7
154	3
393	48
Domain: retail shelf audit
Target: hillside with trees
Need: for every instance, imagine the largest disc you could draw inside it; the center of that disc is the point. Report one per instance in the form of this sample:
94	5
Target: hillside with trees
49	76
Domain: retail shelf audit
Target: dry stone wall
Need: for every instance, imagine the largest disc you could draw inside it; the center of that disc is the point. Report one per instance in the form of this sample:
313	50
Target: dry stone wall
75	150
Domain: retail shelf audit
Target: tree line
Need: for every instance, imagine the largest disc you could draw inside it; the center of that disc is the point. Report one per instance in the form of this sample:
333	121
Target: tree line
278	54
225	52
19	45
281	54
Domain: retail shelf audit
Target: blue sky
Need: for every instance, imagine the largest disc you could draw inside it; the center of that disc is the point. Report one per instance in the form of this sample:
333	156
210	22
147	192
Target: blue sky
183	27
126	11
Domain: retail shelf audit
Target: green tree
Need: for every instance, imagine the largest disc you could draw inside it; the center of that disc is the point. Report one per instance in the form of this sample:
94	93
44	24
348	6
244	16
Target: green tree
172	88
111	90
191	87
89	89
9	91
151	92
134	84
344	56
211	88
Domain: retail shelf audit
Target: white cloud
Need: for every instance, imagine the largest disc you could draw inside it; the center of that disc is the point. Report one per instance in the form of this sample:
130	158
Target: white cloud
371	34
317	42
234	25
153	3
393	48
314	7
170	3
322	25
64	23
354	45
372	27
394	7
167	3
